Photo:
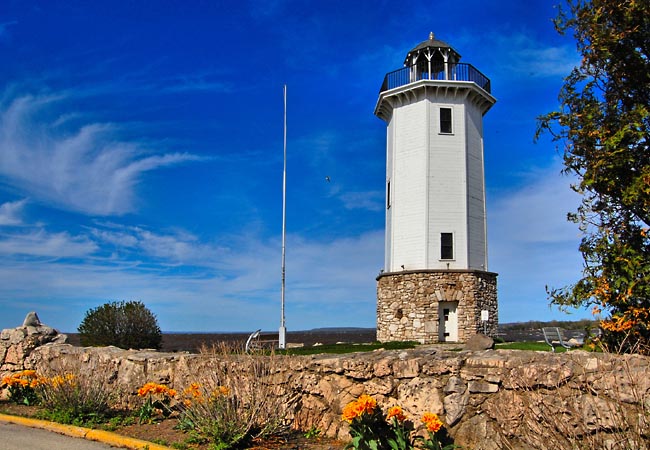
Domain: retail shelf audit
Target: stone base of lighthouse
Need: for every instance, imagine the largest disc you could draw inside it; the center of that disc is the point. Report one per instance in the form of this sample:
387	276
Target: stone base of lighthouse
431	306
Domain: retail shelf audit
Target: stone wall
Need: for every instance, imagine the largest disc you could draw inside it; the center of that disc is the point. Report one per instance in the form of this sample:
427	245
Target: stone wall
408	304
488	399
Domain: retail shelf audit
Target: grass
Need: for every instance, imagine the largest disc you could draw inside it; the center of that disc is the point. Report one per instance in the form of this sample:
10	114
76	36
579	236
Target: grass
353	348
536	346
348	348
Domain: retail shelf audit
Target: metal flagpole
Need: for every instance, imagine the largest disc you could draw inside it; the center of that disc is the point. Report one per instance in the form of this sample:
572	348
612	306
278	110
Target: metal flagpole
283	330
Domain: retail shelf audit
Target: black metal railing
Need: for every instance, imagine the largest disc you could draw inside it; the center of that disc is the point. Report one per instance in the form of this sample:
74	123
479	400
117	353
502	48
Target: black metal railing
452	72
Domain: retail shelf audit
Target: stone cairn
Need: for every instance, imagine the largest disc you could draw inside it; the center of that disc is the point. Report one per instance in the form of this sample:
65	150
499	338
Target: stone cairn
16	344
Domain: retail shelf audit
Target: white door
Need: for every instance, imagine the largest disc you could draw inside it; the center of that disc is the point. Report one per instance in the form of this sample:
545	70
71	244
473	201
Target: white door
448	330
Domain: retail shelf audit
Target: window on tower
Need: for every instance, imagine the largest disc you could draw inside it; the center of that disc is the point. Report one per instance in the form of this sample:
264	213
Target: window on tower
388	194
445	120
446	246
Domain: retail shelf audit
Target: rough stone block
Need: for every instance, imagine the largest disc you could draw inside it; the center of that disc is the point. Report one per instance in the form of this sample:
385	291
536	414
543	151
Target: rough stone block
479	342
455	405
476	386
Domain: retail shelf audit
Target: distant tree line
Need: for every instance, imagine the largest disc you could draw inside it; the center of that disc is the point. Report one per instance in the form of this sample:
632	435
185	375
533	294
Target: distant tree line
536	325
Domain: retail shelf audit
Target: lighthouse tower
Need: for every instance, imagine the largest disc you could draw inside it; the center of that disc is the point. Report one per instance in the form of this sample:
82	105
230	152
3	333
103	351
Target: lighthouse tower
435	286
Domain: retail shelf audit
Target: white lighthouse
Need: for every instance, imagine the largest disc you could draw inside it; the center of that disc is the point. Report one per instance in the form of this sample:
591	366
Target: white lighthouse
435	285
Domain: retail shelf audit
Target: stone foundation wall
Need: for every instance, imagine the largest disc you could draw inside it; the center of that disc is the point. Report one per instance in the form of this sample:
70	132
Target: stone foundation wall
408	304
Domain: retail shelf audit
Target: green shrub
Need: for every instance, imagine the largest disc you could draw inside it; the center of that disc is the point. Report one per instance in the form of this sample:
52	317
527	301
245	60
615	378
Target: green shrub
233	401
72	396
122	324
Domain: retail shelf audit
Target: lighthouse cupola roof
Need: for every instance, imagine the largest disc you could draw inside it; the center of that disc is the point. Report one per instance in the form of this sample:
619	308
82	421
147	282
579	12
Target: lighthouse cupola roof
427	49
433	65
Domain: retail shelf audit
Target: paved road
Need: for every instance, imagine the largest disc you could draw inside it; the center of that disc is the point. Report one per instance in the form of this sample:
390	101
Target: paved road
18	437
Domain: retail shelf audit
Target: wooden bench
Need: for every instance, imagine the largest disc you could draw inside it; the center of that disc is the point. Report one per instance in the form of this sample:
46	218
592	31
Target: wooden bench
554	337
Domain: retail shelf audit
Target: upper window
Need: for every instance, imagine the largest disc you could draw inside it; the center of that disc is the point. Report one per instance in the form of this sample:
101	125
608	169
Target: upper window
445	120
446	246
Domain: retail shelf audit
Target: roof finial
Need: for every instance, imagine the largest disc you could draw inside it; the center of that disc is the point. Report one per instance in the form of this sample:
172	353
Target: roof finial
431	36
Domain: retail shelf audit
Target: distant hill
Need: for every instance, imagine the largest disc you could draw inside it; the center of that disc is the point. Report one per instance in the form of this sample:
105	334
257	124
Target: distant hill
336	329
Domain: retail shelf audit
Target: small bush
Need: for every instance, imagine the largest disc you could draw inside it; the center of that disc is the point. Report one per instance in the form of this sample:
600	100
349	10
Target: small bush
233	402
122	324
69	396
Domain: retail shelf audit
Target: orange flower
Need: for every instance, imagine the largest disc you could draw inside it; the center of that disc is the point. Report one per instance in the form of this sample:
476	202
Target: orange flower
364	404
224	390
153	388
221	390
194	390
144	390
24	379
397	412
431	421
367	403
351	411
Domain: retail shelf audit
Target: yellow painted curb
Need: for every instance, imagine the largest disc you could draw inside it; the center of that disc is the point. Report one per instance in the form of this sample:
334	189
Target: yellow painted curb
79	432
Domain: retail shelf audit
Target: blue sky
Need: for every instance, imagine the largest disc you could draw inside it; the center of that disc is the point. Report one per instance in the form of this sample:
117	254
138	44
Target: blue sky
141	156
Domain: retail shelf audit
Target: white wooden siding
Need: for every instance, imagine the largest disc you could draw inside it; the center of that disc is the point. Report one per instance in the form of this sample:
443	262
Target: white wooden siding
408	190
447	184
436	182
476	232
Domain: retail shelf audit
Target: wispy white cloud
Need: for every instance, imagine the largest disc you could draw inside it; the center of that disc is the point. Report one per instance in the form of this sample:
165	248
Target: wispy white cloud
43	244
88	169
10	212
536	60
370	200
518	54
236	289
173	248
536	212
262	10
204	81
4	29
236	286
531	243
149	80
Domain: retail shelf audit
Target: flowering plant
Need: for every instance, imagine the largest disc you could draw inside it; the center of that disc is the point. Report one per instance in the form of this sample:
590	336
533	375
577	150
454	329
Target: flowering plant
372	430
368	426
433	424
22	386
158	400
401	429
